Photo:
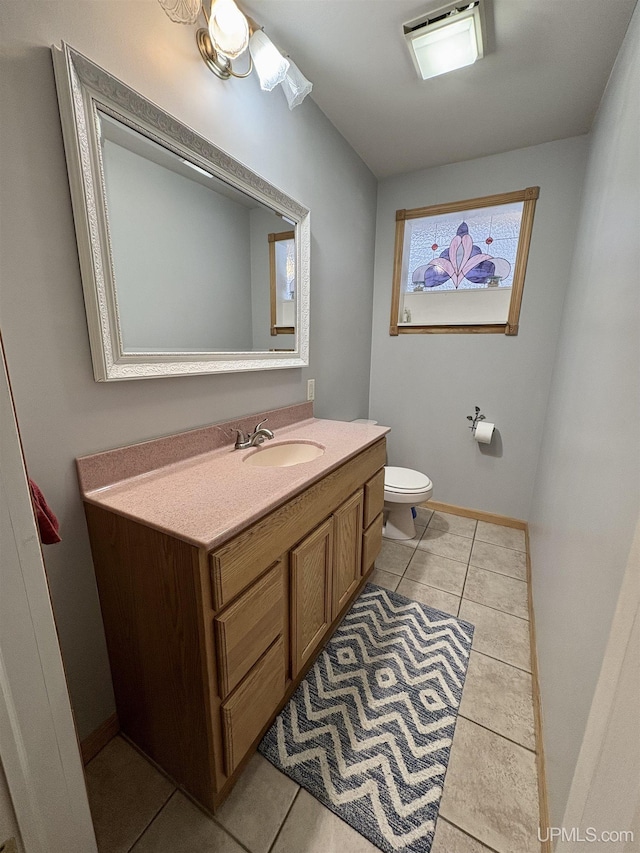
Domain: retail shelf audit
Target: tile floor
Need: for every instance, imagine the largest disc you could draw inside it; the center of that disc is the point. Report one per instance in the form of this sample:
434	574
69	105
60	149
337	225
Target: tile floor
466	568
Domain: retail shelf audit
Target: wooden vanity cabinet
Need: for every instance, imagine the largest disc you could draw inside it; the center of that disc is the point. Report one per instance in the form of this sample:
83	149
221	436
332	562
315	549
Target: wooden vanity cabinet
206	648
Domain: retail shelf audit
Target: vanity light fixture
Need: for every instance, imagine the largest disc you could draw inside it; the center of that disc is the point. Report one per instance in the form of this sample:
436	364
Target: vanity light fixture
271	66
448	38
228	35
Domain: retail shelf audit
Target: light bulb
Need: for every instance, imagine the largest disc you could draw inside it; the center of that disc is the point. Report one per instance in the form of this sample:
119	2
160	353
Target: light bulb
270	64
228	28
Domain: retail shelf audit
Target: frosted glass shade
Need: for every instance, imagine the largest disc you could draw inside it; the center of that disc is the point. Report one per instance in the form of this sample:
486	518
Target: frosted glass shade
228	28
295	85
271	66
445	47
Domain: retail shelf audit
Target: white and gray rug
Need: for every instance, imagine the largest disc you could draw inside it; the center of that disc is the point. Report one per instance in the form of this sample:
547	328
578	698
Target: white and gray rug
369	730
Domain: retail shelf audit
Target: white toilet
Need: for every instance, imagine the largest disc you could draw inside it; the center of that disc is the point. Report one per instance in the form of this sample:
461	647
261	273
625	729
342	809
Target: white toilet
404	488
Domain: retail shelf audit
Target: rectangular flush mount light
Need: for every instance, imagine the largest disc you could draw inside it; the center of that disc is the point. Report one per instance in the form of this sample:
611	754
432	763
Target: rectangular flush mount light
445	39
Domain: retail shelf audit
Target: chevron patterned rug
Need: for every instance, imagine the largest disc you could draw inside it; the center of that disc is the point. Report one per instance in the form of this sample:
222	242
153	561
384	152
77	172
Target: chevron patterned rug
369	730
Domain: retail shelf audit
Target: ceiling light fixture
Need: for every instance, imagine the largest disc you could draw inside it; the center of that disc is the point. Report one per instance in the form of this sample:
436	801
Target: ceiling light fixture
447	38
228	34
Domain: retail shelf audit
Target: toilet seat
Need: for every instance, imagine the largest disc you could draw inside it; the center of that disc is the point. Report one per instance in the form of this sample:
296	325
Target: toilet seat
405	481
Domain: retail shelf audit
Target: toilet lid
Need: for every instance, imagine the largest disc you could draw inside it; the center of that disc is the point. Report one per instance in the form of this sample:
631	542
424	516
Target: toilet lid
405	480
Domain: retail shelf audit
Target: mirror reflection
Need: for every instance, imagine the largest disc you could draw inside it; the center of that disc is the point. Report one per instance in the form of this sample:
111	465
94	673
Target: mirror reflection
282	273
195	263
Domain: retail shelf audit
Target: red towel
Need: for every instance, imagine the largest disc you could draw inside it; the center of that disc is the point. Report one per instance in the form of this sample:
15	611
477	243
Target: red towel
47	522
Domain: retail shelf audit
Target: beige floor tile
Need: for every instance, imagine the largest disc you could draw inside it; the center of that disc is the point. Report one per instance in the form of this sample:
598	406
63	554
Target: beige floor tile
437	571
497	534
394	557
491	790
498	696
446	544
431	597
182	828
500	635
499	591
497	559
312	828
257	806
125	794
385	579
423	515
448	839
409	543
456	524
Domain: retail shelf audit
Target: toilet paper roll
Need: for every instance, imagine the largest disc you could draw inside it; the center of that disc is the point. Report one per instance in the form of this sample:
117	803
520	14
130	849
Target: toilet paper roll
484	432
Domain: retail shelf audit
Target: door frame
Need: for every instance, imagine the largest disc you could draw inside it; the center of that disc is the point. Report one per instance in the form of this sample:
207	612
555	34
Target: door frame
38	741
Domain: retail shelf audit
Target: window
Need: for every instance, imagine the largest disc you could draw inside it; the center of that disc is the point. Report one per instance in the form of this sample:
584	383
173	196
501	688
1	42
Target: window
460	267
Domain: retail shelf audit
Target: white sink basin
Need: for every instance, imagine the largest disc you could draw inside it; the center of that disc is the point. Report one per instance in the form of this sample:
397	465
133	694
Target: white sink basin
284	455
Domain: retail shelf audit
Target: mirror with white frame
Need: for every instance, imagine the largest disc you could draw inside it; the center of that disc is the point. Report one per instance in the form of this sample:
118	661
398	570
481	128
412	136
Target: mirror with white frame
174	239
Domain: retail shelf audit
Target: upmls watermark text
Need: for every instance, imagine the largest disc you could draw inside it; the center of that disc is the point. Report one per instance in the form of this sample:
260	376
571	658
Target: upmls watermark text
588	835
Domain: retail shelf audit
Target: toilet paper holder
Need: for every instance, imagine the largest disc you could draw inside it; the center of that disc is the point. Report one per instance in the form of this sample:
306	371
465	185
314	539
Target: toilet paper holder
475	419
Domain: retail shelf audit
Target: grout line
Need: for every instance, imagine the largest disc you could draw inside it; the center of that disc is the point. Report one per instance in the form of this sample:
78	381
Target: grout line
464	583
451	533
280	828
497	609
494	572
442	557
214	820
157	814
499	660
431	586
465	832
498	734
524	619
504	547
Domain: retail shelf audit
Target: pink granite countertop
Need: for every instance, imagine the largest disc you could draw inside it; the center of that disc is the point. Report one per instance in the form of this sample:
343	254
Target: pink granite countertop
209	497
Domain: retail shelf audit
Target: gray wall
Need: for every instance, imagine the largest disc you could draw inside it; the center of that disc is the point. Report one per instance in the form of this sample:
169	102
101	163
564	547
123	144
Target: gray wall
423	386
587	493
62	412
181	258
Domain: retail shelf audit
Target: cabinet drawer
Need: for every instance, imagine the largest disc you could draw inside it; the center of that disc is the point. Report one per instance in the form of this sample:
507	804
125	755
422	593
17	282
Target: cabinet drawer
371	544
373	497
246	629
247	711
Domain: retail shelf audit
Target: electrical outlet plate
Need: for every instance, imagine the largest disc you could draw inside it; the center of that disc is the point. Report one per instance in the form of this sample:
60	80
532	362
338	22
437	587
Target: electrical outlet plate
311	389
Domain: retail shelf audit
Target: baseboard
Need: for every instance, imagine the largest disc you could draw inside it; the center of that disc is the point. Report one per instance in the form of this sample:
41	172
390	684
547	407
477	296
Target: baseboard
543	800
99	738
490	517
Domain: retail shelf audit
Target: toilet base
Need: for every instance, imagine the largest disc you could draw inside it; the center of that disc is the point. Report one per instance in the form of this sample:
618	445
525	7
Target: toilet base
399	523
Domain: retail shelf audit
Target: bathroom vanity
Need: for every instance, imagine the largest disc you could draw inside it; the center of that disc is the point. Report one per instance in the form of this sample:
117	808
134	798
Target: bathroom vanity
220	580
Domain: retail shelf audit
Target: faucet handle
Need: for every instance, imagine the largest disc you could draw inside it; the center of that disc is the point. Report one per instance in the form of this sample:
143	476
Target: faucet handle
242	437
260	424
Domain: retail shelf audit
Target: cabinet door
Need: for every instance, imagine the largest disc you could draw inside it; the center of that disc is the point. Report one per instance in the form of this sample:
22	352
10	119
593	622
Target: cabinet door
311	577
347	550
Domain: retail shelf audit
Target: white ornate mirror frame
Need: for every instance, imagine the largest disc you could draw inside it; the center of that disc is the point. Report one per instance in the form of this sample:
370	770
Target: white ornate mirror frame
83	89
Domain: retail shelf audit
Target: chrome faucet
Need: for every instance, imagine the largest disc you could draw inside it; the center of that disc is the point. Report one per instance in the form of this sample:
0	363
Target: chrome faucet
259	434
